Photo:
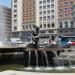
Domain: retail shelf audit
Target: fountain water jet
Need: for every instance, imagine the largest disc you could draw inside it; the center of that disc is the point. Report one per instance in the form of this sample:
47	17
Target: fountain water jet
37	67
29	58
36	58
29	68
46	58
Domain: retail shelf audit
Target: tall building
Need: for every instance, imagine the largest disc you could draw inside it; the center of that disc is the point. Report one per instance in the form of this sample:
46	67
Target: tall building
54	17
66	17
5	23
23	17
48	16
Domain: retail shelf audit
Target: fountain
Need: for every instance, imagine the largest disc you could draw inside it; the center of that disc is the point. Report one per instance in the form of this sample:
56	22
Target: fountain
37	59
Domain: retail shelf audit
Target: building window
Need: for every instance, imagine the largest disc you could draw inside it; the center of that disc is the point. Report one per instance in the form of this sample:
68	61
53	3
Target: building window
15	20
60	10
48	17
44	18
40	7
44	25
52	0
52	5
40	18
50	31
60	25
42	31
52	17
44	1
26	26
41	12
53	25
65	3
48	6
40	2
15	11
33	18
33	13
34	26
15	6
48	11
61	31
30	18
52	11
44	12
65	15
15	15
72	14
44	7
23	27
30	13
60	4
30	26
61	16
71	2
52	38
72	30
15	28
40	26
72	24
15	0
48	25
33	8
23	4
66	24
65	9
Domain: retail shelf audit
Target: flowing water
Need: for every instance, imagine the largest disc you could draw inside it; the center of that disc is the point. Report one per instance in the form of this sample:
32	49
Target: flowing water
46	59
29	59
36	58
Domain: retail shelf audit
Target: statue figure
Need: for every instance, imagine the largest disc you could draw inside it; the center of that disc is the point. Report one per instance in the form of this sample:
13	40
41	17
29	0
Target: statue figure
35	37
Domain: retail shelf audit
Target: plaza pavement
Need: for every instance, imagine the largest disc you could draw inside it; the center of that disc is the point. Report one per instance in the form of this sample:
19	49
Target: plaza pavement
10	72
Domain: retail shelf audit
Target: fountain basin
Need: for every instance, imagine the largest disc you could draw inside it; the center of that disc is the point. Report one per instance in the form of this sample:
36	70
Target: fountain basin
38	68
72	66
29	68
62	68
49	68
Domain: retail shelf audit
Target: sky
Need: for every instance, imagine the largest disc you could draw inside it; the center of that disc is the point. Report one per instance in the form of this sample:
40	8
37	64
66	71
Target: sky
5	3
